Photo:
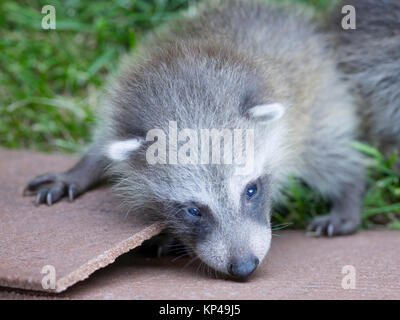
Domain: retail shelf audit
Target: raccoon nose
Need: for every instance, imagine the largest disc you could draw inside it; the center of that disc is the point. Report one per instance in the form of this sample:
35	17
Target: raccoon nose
243	268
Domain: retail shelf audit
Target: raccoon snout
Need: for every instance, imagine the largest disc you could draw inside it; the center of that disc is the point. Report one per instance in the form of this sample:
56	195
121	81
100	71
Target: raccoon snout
244	267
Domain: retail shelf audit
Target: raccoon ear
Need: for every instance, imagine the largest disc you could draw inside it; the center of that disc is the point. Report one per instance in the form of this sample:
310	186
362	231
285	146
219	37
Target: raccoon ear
267	112
120	150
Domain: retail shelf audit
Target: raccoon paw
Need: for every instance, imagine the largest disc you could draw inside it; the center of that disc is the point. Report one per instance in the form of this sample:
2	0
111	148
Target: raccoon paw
331	225
51	187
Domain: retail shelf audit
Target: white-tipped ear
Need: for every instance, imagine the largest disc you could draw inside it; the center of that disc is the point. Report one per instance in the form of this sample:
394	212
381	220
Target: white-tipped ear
267	112
120	150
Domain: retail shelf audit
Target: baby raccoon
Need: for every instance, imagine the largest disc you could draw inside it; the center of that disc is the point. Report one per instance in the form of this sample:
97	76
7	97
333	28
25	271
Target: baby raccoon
369	56
231	66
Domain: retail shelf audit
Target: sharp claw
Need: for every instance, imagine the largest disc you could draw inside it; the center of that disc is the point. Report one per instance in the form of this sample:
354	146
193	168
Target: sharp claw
41	196
49	199
72	192
330	230
38	199
50	188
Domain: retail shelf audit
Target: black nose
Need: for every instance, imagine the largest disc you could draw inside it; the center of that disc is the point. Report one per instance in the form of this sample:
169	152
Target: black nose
243	268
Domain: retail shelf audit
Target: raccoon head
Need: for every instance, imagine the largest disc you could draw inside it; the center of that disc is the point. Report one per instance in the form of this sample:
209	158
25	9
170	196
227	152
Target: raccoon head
221	215
219	212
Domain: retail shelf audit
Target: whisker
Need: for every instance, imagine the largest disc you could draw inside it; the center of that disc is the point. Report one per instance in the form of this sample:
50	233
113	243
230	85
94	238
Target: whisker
281	226
181	256
190	262
197	270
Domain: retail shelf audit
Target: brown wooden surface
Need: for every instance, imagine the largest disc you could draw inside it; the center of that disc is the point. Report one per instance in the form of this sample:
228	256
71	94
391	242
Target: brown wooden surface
76	238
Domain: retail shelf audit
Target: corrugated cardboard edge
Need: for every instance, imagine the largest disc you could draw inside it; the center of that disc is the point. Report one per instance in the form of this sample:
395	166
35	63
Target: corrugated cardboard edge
85	270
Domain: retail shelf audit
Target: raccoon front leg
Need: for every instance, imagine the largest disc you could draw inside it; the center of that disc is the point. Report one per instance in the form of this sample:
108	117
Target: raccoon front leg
345	215
339	175
51	187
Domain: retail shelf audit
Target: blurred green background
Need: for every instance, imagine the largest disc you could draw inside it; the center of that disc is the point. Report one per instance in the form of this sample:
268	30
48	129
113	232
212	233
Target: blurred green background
51	82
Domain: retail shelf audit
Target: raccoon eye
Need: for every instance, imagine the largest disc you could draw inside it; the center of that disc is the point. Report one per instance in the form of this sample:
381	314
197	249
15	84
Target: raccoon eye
193	211
251	191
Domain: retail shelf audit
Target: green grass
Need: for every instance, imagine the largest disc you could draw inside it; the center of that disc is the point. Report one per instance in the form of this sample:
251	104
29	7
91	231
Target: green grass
49	78
50	82
381	202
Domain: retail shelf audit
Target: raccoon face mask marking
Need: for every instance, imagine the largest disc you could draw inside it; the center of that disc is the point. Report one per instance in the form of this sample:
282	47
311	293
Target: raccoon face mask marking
234	241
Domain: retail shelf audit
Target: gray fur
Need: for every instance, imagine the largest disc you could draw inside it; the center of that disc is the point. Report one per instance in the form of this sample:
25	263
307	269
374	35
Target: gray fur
369	56
208	71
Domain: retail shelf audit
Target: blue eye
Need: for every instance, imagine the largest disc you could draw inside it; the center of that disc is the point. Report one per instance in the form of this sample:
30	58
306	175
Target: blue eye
194	211
251	191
